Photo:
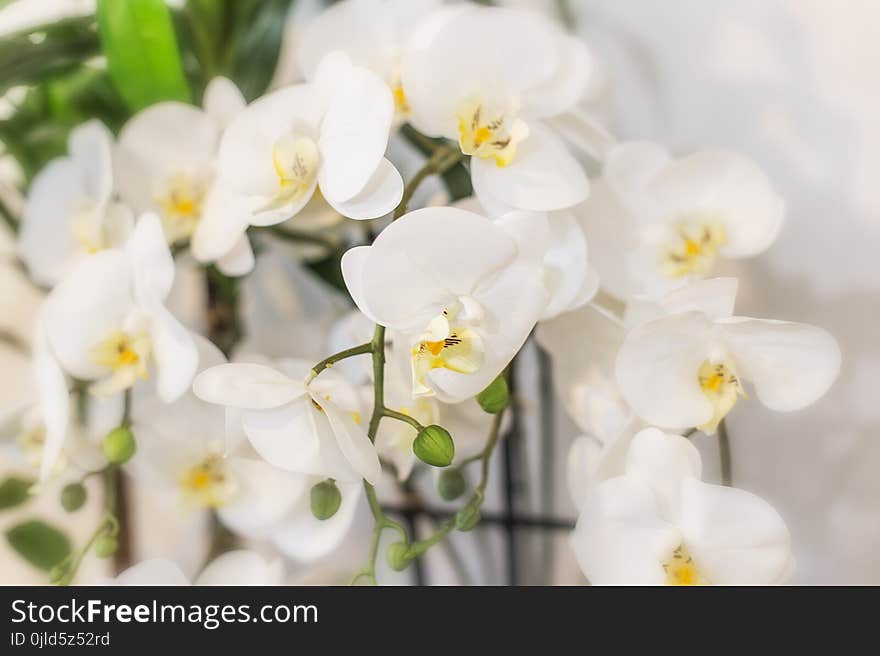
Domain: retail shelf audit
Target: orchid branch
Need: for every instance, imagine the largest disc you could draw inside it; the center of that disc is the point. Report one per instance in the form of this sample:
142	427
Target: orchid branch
724	454
300	237
361	349
442	159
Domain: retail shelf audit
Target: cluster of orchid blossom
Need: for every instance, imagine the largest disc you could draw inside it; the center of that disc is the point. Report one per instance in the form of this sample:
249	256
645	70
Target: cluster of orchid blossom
613	275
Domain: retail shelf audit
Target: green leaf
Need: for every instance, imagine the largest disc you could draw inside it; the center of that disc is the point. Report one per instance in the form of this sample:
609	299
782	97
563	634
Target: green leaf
38	129
35	54
14	491
205	25
138	39
40	544
258	45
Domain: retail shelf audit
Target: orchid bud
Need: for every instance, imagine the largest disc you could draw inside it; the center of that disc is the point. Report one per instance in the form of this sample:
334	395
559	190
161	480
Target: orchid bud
451	484
495	397
106	546
73	496
119	445
467	517
434	446
397	556
325	499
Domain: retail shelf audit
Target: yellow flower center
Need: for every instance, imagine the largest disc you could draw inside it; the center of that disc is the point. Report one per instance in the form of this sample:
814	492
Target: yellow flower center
489	136
126	356
445	346
722	387
181	203
295	160
694	248
401	104
208	484
681	570
86	227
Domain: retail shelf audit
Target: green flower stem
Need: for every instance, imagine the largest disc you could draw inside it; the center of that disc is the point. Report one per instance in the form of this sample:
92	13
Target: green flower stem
381	520
300	237
126	409
723	451
464	463
116	498
107	526
566	15
416	549
379	408
399	416
360	349
425	143
368	572
443	159
724	454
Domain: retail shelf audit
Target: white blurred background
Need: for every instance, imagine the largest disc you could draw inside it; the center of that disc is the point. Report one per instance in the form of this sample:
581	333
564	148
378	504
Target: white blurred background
795	85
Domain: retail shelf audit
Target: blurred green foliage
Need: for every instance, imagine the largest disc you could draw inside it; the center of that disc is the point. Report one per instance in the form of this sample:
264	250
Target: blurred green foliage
240	39
137	38
43	546
65	80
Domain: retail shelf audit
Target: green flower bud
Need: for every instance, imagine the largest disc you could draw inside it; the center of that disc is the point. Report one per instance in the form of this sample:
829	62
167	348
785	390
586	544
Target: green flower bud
434	446
397	557
325	498
467	517
451	484
106	546
119	445
495	397
73	496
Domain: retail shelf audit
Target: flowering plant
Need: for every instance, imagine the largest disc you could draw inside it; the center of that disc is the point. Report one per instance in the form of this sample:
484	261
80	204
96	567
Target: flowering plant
302	304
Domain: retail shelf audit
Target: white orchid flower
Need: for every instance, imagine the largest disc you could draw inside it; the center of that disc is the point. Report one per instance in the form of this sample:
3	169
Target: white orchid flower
463	292
595	457
688	368
330	134
186	446
106	323
24	435
568	276
167	163
303	537
372	32
286	309
183	446
239	567
656	223
583	345
305	426
70	211
467	77
659	523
